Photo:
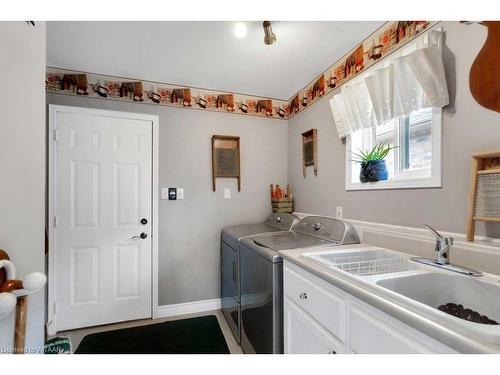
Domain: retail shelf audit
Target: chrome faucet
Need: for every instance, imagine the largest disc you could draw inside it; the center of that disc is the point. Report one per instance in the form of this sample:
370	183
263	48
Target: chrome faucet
443	245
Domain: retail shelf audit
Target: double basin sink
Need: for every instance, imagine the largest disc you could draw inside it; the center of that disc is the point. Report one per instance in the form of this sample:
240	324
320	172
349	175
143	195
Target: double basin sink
442	290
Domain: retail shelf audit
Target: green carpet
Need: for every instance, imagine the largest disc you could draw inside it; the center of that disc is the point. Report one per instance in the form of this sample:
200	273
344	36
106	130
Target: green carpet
201	335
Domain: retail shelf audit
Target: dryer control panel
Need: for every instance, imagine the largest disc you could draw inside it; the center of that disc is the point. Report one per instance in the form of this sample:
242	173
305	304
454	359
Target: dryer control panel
282	220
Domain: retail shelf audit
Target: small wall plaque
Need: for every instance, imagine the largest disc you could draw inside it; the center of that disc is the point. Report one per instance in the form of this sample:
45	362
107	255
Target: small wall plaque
310	151
225	158
484	193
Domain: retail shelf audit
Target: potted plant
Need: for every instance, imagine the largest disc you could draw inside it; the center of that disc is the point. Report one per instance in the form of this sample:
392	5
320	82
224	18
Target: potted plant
373	167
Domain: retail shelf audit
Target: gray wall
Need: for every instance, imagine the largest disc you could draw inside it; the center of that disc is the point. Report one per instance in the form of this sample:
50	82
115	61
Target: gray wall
467	127
190	228
22	163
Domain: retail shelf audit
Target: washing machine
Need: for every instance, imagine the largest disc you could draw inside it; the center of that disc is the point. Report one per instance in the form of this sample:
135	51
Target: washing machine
261	277
230	268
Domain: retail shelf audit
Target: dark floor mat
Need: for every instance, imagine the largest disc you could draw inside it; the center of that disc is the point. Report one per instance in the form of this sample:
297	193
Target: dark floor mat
201	335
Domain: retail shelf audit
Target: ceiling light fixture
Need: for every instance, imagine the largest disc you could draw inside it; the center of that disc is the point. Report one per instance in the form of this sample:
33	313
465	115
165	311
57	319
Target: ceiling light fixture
269	36
240	29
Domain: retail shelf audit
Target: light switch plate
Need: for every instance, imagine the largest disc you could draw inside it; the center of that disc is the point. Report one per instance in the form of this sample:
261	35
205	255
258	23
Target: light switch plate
172	194
164	193
339	212
227	193
180	193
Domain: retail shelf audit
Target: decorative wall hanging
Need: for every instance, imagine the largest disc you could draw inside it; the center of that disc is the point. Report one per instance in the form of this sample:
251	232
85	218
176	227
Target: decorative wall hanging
122	89
484	77
310	151
381	43
484	193
225	158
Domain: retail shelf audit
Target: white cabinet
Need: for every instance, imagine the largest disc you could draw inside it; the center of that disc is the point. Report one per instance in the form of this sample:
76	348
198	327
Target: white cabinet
321	318
303	335
372	331
327	305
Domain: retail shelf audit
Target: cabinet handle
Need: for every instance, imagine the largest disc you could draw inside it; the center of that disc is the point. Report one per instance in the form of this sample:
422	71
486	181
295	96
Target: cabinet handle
332	352
303	295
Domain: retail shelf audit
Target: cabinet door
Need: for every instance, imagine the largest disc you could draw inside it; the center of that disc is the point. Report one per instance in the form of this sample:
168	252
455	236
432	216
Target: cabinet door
319	299
303	335
375	332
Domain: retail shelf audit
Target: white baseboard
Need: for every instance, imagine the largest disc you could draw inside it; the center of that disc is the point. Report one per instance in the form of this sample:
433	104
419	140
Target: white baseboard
166	311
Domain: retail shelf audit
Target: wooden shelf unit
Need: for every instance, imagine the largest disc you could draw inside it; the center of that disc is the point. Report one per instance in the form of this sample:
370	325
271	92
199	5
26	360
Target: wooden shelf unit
483	163
489	171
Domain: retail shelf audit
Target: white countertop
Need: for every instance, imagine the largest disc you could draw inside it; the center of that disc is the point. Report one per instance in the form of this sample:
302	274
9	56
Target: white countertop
460	335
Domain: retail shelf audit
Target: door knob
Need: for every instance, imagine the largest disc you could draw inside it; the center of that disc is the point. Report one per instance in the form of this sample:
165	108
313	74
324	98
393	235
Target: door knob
142	236
144	221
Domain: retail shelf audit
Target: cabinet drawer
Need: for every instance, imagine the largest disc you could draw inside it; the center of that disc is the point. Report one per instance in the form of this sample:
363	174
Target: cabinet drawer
325	305
303	335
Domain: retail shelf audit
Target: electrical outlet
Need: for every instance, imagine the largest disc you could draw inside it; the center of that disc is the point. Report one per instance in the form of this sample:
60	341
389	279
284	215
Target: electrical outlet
339	212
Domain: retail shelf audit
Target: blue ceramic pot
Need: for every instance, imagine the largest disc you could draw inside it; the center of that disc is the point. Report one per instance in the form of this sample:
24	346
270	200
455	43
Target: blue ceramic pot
373	170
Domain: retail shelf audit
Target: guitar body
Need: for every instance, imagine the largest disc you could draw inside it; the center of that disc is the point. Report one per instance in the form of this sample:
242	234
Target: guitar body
484	77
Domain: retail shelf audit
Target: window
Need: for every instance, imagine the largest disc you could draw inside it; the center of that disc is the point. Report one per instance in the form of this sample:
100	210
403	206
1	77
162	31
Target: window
387	103
414	163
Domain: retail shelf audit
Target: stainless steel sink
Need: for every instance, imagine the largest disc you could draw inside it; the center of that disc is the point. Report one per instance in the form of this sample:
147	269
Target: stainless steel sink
402	285
436	289
396	272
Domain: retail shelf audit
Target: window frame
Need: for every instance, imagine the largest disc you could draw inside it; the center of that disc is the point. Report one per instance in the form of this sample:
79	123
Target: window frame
409	179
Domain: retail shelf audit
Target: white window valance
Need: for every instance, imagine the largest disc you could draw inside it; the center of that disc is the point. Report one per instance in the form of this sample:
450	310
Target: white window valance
408	82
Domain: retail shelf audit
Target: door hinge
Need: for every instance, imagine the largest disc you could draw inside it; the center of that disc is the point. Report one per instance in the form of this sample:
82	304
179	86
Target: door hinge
55	221
56	138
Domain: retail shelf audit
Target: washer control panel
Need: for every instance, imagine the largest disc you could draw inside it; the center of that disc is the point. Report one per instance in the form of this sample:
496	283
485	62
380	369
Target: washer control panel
327	228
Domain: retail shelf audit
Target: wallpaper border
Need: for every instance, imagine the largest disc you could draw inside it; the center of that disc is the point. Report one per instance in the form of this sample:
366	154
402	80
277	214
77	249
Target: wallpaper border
106	87
381	43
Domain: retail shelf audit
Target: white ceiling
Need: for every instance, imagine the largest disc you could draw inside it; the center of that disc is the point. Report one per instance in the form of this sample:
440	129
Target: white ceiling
206	54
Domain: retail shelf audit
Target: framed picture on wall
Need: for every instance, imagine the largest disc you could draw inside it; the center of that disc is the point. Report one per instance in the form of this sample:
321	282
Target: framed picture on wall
309	151
225	158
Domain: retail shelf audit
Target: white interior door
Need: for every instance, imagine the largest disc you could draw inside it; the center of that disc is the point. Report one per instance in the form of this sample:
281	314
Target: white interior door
103	179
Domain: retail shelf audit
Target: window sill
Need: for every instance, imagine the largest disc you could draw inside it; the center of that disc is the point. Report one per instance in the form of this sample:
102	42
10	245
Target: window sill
404	183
